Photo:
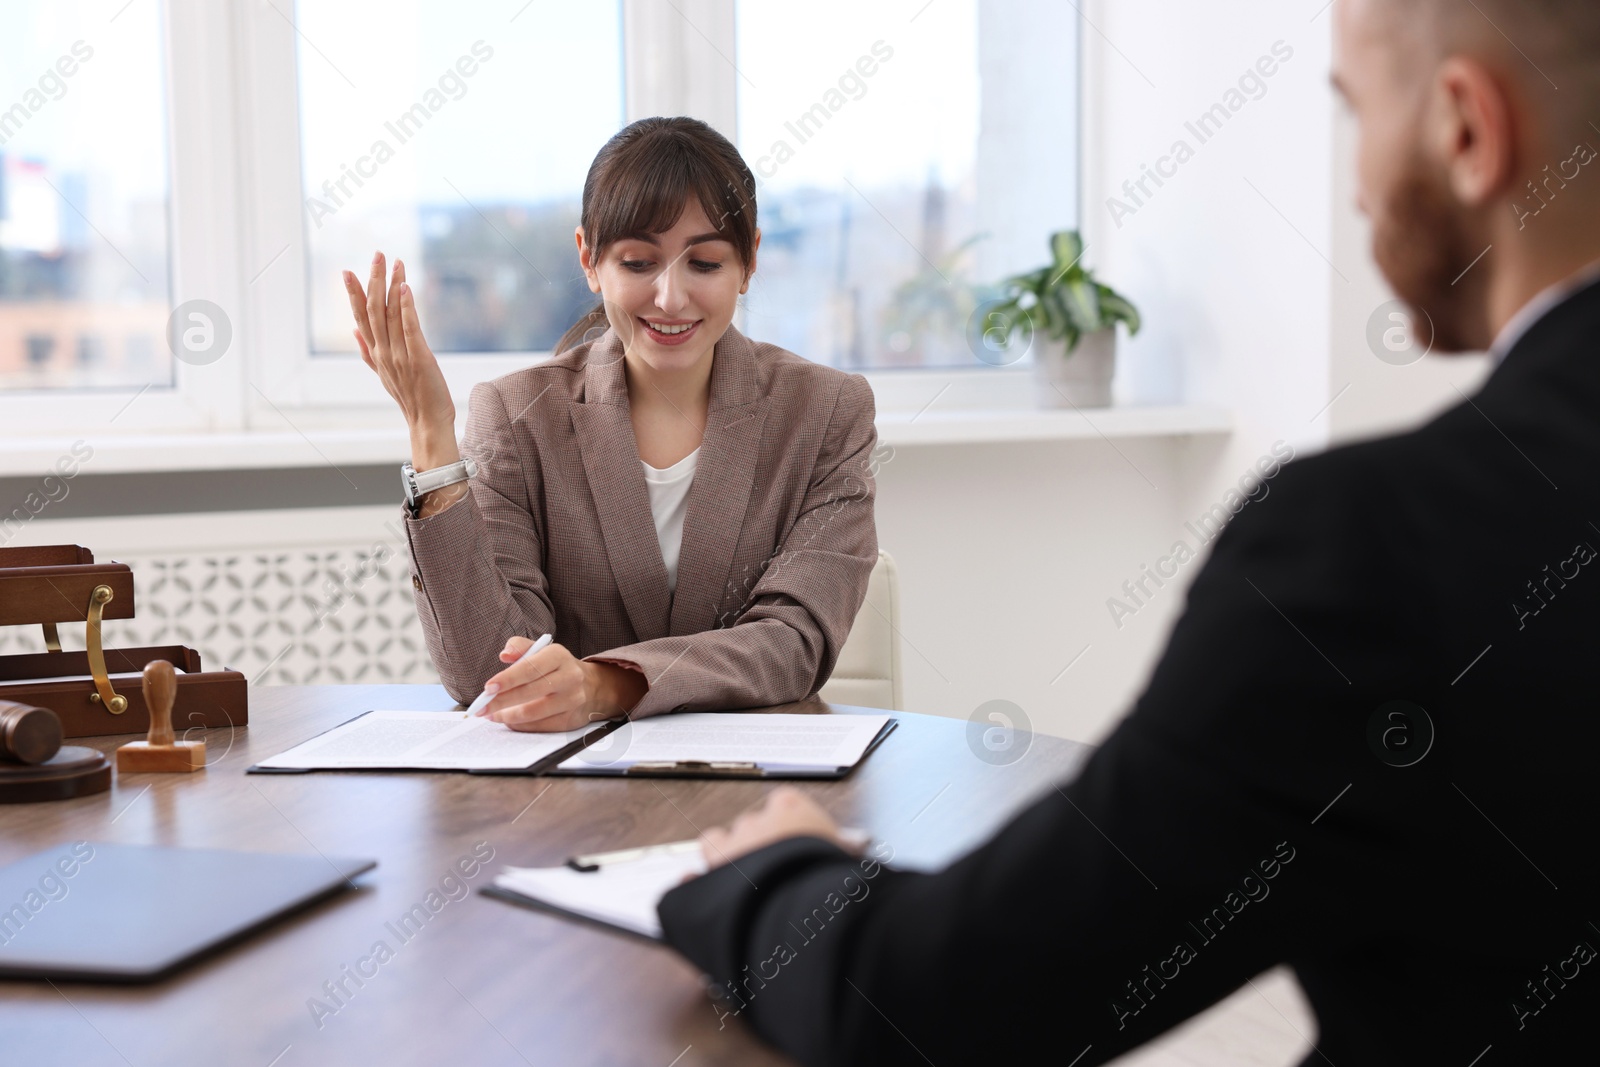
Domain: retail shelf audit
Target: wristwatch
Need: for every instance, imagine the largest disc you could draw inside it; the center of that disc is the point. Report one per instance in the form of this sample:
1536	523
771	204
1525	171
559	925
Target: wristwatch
418	484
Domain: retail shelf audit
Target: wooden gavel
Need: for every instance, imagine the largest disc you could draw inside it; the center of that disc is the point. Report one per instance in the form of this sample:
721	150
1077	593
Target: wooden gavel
28	734
158	751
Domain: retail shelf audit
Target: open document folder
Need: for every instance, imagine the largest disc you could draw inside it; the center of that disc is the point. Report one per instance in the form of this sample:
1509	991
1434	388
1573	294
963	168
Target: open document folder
695	744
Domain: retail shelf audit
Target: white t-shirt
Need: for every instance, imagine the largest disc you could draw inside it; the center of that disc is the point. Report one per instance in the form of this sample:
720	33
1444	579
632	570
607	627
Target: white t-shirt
669	497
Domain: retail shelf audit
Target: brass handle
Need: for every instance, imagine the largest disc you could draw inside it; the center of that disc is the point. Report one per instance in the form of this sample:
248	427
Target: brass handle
103	693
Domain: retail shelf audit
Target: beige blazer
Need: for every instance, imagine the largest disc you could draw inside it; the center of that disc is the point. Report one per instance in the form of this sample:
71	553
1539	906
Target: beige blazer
557	535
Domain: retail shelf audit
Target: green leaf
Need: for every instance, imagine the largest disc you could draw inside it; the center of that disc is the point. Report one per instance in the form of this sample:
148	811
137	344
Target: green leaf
1008	320
1067	311
1051	315
1005	312
1082	301
1067	248
1117	308
1063	301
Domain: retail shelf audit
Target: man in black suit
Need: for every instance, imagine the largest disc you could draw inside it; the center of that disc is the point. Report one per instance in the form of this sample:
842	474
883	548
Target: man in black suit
1368	749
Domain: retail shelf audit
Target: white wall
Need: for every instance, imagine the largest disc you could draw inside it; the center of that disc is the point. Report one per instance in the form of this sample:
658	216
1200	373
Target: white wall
1007	554
1228	256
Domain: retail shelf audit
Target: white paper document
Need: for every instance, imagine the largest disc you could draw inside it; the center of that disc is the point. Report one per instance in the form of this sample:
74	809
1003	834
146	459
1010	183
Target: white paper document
776	743
623	894
422	740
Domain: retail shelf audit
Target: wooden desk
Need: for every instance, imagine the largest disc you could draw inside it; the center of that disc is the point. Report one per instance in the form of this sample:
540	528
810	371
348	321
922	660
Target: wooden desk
482	982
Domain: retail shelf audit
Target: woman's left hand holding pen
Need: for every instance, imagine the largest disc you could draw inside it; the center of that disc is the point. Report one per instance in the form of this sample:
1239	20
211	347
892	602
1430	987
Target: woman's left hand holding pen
554	690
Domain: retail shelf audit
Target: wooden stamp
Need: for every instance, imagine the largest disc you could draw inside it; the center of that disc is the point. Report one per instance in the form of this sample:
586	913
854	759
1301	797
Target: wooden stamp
159	752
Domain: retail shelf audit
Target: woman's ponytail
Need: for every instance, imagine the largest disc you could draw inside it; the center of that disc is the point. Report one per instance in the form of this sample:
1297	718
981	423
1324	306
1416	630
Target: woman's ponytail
579	330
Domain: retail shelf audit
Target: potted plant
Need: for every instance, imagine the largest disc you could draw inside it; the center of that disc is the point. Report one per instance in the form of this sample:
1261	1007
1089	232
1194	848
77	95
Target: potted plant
1070	321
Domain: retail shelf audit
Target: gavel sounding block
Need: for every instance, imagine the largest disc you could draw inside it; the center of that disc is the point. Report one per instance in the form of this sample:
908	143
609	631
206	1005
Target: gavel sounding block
158	752
71	772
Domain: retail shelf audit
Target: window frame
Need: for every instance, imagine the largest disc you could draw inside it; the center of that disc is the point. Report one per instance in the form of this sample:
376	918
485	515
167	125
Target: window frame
202	206
238	234
326	392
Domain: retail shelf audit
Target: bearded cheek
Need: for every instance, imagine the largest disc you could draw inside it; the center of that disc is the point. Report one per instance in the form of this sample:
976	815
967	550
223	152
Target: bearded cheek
1422	246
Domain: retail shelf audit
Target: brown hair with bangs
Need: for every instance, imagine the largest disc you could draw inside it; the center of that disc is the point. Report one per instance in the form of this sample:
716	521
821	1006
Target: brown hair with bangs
643	178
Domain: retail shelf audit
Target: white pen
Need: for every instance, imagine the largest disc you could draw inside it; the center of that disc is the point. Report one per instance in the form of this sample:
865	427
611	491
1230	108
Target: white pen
477	706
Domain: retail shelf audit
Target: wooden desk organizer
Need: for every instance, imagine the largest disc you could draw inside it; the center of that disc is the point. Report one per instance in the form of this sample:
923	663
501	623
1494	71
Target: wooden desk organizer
62	583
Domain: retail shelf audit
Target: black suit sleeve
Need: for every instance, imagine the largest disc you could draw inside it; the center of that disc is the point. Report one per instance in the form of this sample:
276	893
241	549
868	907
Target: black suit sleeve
1180	863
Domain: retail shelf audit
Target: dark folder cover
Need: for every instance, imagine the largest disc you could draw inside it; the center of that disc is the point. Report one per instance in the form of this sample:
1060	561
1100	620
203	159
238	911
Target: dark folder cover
136	913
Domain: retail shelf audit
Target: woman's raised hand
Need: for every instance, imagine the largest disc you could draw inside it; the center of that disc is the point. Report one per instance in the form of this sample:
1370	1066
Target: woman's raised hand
391	341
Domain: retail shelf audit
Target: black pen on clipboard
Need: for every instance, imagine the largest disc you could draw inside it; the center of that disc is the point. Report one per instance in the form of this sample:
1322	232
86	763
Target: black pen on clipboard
855	840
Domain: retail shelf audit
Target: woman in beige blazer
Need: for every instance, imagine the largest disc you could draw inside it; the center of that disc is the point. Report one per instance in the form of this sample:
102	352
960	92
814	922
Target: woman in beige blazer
688	512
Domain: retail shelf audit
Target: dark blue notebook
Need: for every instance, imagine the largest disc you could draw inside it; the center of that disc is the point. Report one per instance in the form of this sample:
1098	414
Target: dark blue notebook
136	913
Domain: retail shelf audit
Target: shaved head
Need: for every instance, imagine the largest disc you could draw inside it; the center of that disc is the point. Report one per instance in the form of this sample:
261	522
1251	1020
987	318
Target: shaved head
1549	49
1564	33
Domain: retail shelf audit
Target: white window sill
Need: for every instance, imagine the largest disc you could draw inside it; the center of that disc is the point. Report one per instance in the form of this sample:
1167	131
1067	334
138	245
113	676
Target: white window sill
37	456
905	428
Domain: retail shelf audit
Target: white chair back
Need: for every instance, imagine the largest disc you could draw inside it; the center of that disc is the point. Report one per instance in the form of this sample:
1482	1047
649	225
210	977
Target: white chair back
868	671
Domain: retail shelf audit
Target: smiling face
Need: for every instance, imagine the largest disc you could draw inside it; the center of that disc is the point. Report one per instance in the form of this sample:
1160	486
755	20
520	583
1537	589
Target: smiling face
671	295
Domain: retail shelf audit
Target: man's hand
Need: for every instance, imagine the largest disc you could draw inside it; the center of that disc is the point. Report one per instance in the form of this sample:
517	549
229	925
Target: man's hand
787	812
554	690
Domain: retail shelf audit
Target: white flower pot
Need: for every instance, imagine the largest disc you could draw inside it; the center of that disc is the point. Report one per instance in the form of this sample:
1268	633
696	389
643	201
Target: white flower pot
1079	379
